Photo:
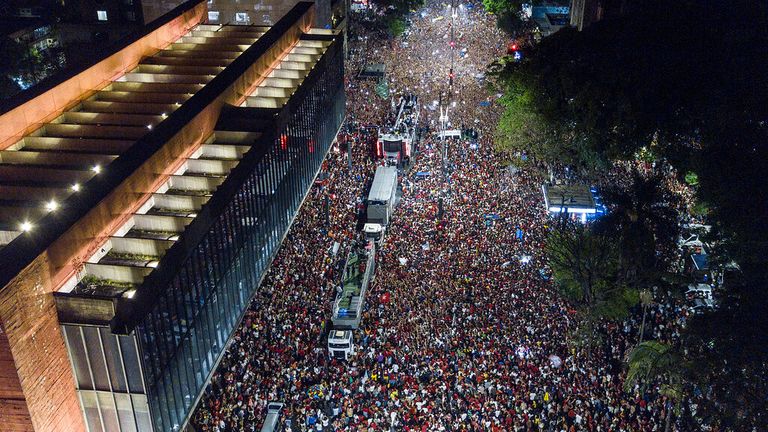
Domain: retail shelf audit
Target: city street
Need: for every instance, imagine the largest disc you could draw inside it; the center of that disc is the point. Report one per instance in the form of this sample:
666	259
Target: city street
463	331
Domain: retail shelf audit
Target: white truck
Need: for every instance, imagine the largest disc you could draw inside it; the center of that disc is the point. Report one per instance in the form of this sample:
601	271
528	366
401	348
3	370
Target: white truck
341	344
382	196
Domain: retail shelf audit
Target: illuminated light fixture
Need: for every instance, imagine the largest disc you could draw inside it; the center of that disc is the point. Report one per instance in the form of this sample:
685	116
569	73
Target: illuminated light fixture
51	205
25	226
163	115
75	187
149	126
96	169
130	293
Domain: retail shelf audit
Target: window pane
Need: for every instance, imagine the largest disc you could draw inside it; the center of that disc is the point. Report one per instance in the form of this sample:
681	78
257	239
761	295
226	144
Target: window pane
95	356
141	411
114	365
125	413
108	413
91	411
131	361
78	356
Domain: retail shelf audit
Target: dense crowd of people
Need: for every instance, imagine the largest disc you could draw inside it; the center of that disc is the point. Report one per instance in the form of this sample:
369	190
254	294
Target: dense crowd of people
463	329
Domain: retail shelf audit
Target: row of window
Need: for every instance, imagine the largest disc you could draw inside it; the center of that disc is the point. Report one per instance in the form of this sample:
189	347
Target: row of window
108	378
102	15
182	338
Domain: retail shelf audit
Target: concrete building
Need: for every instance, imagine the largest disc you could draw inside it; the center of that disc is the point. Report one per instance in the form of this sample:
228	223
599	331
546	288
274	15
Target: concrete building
586	12
142	199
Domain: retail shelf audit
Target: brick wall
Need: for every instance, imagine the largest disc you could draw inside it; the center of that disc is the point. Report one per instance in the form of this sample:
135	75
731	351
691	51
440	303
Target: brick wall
43	394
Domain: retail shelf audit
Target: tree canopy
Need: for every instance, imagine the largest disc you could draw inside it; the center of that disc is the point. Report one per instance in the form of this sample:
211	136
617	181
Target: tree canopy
686	81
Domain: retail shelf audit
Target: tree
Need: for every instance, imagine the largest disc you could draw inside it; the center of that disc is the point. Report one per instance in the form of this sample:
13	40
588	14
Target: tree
396	26
585	265
729	348
641	80
646	298
644	219
654	362
685	79
524	130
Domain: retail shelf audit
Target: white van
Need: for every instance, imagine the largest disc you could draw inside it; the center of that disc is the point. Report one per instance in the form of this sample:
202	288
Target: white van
273	420
340	344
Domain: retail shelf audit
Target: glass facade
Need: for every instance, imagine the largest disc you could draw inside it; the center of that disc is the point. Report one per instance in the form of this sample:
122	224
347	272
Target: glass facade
183	336
108	377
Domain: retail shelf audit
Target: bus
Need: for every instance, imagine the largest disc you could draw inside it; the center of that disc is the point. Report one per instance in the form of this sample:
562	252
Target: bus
358	272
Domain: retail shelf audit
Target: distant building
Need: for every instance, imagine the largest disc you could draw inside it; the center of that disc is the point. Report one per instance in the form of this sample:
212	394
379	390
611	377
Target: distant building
40	44
33	33
583	13
550	17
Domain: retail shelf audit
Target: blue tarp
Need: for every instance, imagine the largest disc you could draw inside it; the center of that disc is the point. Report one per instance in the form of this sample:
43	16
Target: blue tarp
700	261
485	104
423	174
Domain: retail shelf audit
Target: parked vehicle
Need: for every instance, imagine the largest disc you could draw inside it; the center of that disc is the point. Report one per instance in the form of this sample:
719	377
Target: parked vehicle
272	422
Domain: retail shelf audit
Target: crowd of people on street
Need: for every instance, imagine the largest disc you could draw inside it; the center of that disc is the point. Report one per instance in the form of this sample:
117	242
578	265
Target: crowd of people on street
463	328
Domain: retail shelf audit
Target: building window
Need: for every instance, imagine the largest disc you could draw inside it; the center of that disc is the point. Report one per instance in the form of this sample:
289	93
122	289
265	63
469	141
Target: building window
130	15
101	15
241	17
213	15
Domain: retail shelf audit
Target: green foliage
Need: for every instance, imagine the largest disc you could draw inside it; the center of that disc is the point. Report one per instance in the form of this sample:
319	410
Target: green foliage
691	178
585	266
498	7
653	361
677	78
699	209
396	26
524	127
643	218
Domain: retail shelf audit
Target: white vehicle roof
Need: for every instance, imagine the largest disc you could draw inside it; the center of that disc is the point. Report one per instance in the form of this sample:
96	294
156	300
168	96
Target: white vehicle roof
340	334
383	182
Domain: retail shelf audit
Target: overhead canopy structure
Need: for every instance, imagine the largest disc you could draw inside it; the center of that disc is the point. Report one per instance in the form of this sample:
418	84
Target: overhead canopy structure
578	200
